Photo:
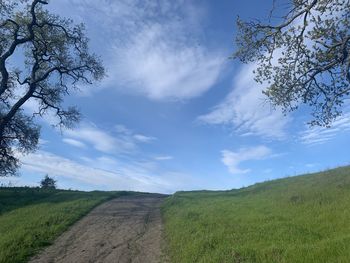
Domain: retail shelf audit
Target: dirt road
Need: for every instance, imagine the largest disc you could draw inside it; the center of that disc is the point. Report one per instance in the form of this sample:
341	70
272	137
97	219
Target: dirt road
126	229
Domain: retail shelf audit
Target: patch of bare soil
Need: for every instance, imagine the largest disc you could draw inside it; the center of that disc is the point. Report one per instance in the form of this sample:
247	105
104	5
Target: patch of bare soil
125	229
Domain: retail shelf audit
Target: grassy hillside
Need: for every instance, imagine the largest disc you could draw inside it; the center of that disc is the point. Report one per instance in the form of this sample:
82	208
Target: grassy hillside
298	219
31	218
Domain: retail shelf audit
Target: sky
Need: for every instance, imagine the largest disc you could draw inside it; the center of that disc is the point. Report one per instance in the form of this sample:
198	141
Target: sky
174	112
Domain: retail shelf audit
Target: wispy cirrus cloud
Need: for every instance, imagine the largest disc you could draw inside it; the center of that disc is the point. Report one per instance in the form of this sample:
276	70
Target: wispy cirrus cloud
161	65
246	109
318	135
233	159
101	140
163	157
73	142
143	138
155	48
105	172
118	140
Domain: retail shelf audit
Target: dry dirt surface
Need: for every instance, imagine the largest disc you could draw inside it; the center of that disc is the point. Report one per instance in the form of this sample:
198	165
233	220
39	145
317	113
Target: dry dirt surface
125	229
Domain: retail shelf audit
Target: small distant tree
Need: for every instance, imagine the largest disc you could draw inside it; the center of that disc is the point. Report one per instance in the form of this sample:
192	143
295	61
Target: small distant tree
48	183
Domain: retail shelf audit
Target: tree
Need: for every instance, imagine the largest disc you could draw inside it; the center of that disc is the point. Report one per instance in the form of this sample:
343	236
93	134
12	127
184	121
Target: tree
55	59
48	183
303	58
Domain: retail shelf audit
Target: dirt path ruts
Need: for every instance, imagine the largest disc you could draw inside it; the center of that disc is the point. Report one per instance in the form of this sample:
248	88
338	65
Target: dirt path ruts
125	229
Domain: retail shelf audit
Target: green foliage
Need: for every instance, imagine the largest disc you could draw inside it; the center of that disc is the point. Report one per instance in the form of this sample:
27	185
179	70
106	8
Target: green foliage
48	182
55	60
297	219
303	56
31	218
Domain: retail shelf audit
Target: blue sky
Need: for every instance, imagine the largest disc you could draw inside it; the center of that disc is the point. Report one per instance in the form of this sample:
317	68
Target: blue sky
174	113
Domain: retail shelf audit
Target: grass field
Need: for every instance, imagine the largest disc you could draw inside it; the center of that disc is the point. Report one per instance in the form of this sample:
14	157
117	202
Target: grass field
31	218
297	219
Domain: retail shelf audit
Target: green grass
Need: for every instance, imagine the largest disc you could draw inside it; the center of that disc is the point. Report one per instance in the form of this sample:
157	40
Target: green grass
297	219
31	218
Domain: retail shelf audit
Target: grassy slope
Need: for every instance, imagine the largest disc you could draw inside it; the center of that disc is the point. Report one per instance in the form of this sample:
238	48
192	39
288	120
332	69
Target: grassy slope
297	219
33	218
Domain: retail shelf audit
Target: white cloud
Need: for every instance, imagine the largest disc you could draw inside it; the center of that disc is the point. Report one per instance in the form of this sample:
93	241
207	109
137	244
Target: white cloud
155	48
42	142
122	129
247	110
119	140
160	65
73	142
101	140
163	158
143	138
311	165
319	135
105	173
233	159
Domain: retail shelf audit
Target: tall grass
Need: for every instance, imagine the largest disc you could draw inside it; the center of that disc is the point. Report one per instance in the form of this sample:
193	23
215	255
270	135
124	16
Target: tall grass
297	219
31	218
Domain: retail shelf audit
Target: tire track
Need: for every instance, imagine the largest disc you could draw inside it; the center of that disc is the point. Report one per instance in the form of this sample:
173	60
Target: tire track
124	230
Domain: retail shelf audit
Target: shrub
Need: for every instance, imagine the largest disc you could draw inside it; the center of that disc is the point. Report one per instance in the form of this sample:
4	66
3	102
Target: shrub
48	183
